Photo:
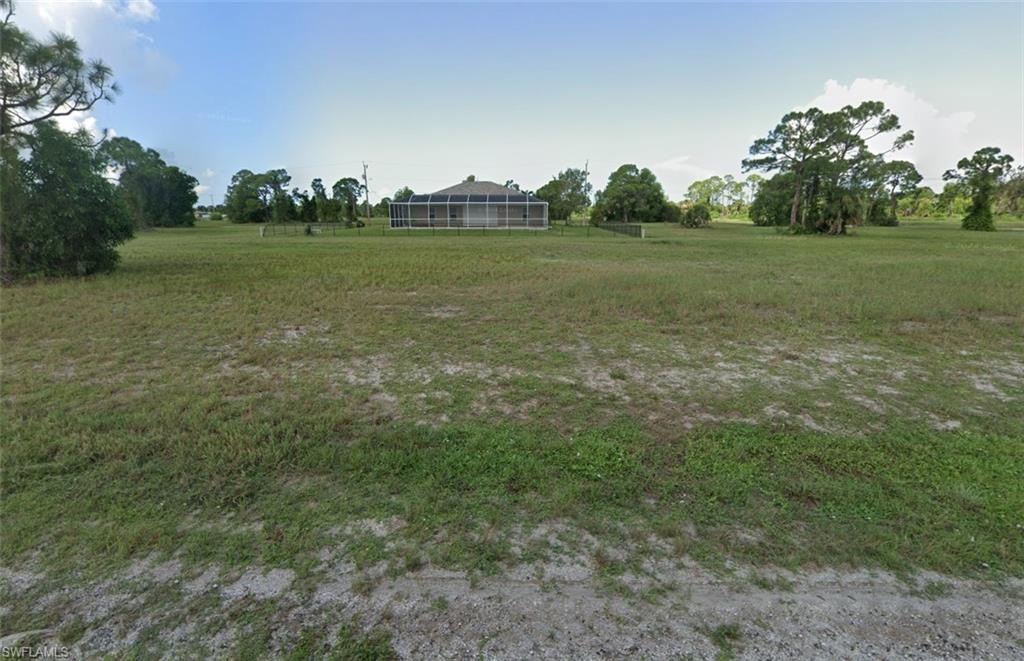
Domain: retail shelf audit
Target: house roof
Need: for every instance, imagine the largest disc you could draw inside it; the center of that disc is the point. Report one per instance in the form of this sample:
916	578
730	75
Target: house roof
477	188
476	192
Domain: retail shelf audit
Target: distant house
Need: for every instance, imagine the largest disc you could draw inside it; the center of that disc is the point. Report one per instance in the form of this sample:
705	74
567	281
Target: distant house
471	204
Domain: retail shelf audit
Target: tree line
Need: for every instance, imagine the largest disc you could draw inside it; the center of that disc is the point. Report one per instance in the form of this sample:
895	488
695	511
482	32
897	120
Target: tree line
824	177
827	176
265	197
68	200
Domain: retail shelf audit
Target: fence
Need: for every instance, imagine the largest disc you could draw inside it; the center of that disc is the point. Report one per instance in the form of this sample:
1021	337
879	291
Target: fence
379	229
286	229
629	229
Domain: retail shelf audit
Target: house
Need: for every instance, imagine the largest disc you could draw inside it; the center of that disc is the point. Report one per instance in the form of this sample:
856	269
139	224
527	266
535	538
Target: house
471	204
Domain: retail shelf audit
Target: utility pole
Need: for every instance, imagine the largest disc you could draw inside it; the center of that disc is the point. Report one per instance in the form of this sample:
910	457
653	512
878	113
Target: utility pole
586	176
366	188
586	182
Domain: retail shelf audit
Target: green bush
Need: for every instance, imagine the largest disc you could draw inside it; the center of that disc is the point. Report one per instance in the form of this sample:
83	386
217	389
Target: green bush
698	215
673	213
61	215
979	218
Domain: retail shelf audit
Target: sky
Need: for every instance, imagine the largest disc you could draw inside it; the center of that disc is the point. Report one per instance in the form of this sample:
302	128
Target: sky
426	94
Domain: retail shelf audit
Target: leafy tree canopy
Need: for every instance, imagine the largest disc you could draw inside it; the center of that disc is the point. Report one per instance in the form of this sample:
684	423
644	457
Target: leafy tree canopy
633	195
567	193
981	174
61	215
403	194
156	194
346	192
834	172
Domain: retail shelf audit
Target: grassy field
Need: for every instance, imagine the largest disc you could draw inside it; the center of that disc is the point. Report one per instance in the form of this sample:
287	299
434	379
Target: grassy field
726	395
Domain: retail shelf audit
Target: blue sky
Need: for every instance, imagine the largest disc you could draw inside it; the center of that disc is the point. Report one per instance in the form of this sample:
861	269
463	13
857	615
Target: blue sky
428	93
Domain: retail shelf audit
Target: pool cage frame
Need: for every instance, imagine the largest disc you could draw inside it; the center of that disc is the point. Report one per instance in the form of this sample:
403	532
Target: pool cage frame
445	211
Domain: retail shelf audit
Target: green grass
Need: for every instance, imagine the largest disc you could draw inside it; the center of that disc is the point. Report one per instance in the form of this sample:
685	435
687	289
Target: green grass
726	637
473	387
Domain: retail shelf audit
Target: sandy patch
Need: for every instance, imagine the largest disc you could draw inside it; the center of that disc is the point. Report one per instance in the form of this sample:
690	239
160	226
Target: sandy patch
255	583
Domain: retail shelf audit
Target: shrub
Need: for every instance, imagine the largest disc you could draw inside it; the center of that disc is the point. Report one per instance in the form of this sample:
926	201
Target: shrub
673	213
697	215
980	220
61	215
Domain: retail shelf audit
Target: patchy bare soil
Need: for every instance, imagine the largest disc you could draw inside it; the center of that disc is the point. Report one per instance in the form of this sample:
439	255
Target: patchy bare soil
842	387
565	607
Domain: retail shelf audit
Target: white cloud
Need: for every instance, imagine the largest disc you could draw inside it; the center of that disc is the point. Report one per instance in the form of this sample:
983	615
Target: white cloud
208	172
201	189
76	122
105	29
143	10
939	139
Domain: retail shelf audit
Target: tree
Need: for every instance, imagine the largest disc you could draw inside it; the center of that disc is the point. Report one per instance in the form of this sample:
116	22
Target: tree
922	203
58	214
706	191
305	206
156	194
61	215
179	197
954	199
245	200
633	195
898	179
275	183
719	194
733	194
752	185
829	160
510	183
282	208
42	81
403	194
383	207
326	209
790	147
1010	198
258	198
981	174
346	193
848	169
471	177
567	193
